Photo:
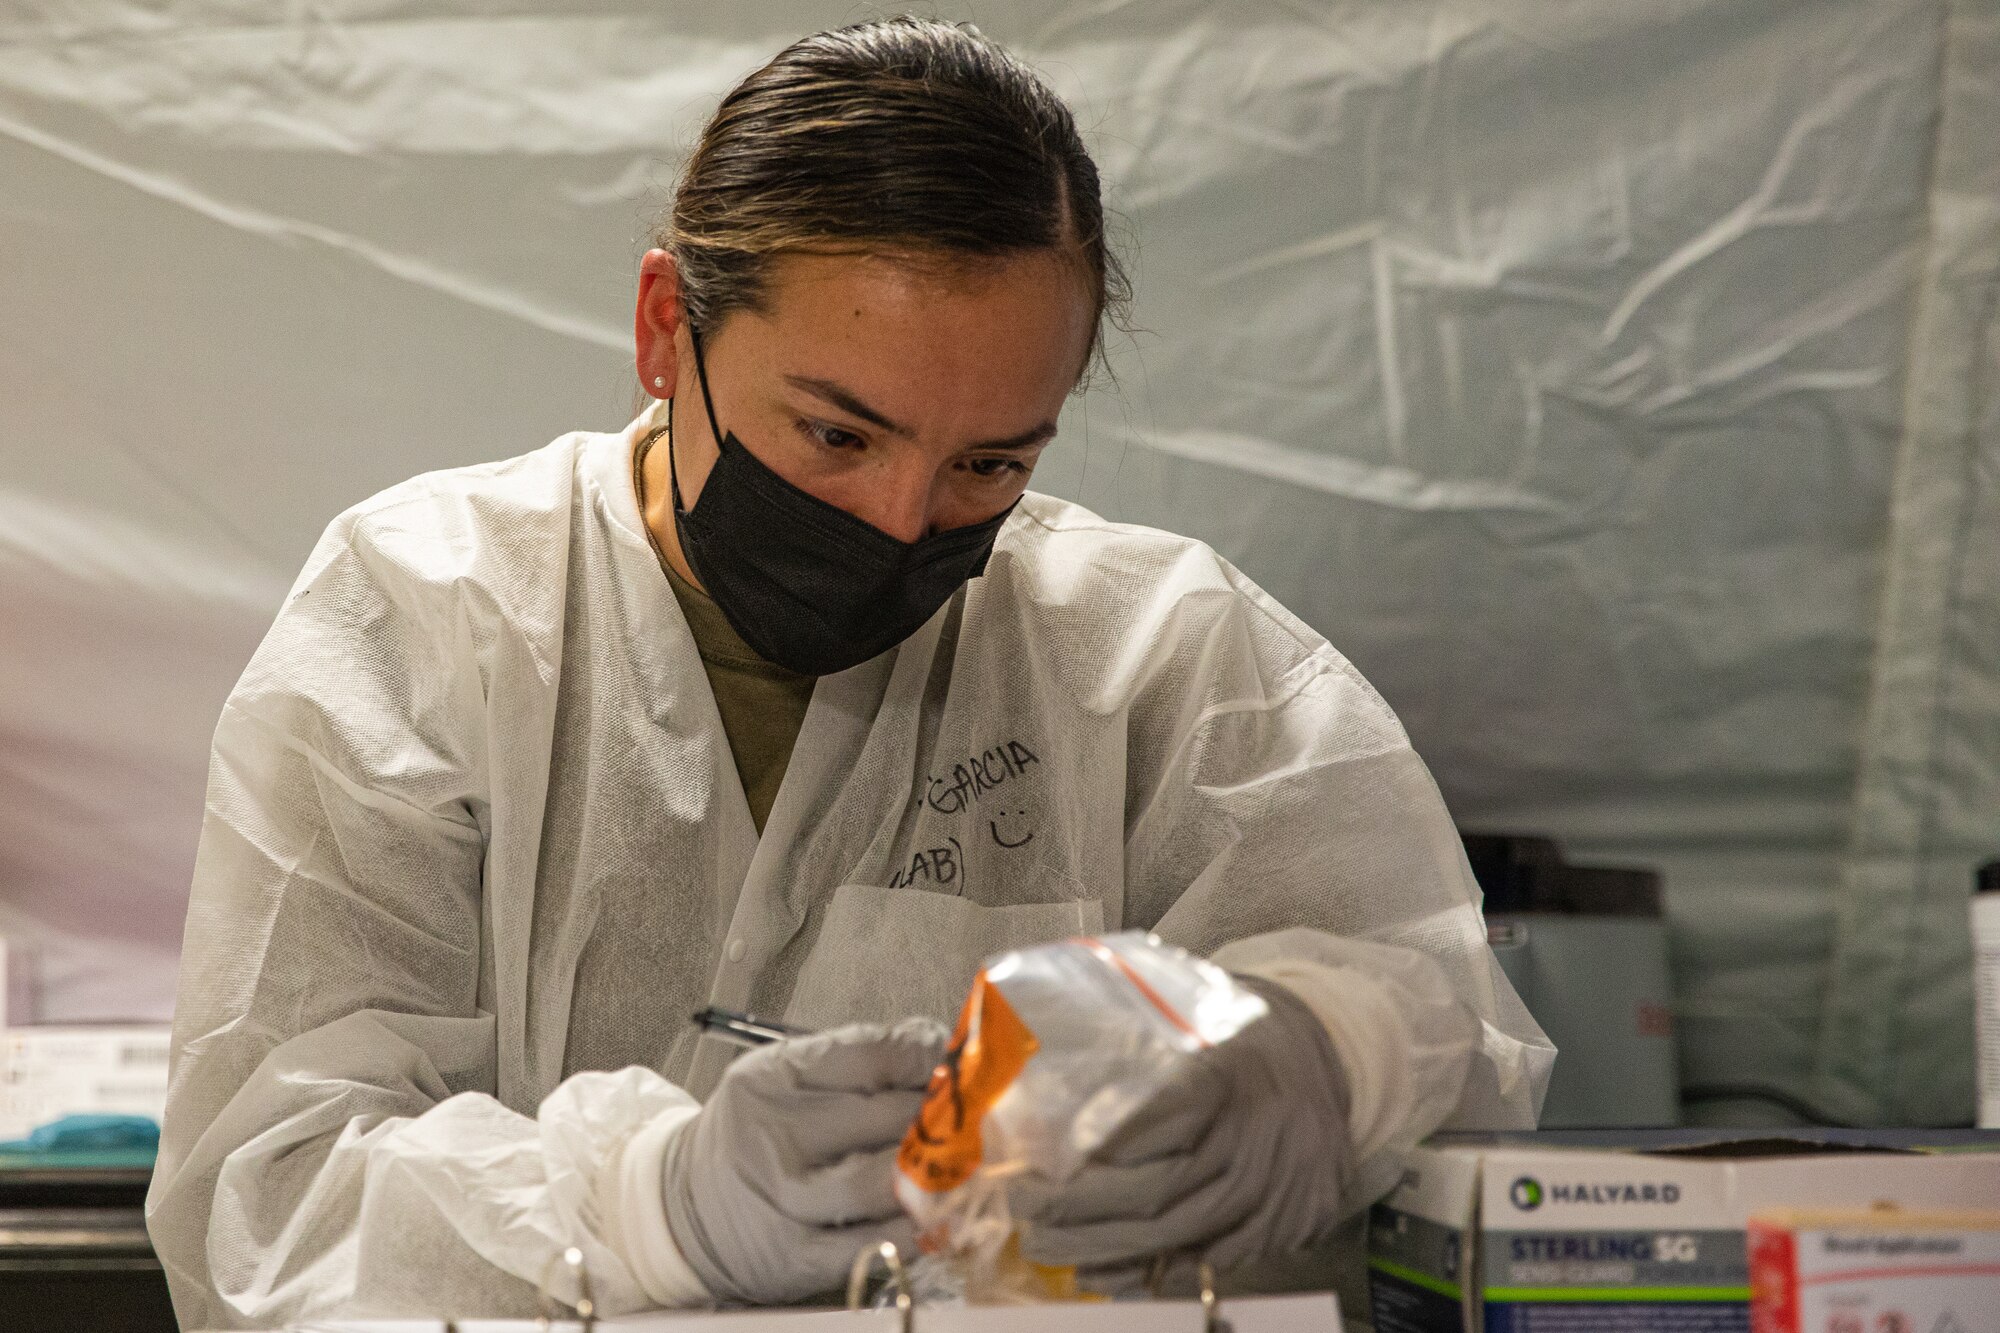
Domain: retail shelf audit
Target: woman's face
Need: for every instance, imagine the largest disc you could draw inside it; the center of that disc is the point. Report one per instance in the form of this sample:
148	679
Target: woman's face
915	397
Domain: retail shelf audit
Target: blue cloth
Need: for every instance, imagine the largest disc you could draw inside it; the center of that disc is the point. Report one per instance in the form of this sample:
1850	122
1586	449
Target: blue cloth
89	1133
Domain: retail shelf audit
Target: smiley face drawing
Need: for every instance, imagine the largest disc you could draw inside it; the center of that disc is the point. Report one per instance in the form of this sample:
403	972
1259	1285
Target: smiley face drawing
1001	839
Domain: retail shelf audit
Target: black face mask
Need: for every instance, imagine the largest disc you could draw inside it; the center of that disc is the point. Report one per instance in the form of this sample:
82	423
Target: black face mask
808	585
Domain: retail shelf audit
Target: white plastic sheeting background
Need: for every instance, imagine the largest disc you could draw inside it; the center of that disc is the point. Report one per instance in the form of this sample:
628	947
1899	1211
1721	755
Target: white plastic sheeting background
1551	356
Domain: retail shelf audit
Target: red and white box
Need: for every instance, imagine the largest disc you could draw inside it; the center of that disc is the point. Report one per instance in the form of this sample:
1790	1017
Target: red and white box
1874	1270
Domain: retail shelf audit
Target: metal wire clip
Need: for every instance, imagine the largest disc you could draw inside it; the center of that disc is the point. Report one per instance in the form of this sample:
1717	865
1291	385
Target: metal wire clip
892	1259
586	1304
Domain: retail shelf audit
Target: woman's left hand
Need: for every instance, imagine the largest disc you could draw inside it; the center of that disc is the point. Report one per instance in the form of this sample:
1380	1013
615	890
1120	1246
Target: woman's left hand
1243	1154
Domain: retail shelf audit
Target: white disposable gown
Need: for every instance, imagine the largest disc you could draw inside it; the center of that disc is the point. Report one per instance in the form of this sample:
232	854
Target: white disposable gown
473	831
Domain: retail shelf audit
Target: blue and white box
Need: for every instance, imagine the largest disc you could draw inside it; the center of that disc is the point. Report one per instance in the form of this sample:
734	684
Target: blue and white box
1629	1231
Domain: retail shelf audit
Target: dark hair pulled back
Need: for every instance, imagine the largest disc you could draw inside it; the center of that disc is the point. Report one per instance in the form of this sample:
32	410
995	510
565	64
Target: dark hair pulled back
904	135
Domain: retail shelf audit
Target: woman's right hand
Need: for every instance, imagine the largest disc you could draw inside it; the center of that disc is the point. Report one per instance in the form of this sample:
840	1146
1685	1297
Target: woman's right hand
789	1169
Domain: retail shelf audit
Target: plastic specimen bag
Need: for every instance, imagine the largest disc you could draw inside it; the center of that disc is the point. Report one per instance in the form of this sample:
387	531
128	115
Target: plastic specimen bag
1056	1046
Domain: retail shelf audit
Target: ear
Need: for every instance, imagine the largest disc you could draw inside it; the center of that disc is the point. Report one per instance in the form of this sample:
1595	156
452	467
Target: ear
656	324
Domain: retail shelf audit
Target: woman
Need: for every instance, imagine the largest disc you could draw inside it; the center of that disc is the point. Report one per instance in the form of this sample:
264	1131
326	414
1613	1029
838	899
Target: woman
792	701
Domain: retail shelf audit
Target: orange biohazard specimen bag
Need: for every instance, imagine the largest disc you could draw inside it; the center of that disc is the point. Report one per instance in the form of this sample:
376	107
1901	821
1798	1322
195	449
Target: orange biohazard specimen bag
1055	1047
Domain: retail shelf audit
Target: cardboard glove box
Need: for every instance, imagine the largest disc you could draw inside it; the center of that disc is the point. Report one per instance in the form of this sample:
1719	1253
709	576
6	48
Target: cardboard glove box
1630	1231
50	1072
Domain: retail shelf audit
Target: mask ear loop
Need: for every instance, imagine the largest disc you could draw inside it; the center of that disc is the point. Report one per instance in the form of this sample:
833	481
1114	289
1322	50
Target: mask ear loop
673	471
707	401
701	373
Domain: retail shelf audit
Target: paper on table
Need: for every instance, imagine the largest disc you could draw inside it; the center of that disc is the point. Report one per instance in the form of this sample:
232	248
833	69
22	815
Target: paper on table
736	1321
1316	1313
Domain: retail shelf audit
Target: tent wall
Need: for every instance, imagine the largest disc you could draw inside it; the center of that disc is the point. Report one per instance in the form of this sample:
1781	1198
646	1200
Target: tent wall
1614	383
1927	803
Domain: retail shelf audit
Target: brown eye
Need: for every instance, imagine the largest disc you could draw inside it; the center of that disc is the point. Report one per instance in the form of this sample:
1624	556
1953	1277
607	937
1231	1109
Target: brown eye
995	467
832	437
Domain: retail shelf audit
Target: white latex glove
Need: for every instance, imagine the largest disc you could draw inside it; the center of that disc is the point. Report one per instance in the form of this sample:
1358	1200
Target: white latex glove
1242	1155
788	1170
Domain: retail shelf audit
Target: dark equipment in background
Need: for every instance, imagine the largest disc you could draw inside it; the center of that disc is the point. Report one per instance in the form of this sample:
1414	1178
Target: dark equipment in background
1586	947
74	1253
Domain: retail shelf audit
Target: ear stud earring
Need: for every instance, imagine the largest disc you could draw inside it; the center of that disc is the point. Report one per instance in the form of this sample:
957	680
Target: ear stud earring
659	381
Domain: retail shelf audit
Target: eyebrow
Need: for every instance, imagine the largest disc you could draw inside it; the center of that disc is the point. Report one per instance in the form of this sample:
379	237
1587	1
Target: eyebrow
841	398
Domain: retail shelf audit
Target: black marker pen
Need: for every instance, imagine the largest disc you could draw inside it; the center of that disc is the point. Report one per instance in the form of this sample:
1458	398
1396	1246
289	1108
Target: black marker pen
742	1029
